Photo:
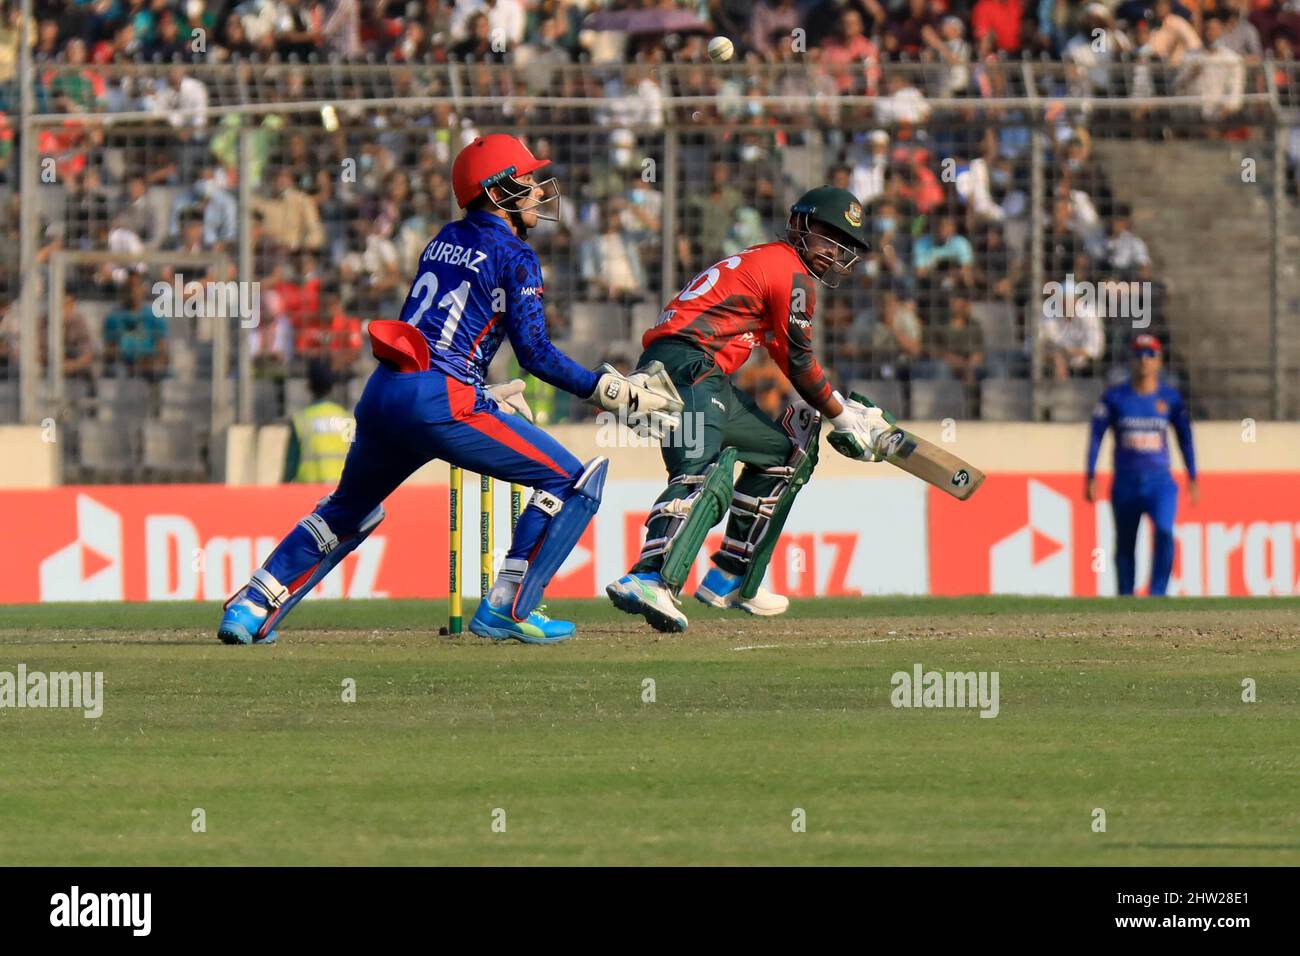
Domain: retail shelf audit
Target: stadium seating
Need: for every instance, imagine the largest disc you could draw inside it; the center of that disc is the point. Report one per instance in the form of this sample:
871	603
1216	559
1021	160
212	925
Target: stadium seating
1072	400
171	450
1005	400
121	399
887	393
109	450
934	399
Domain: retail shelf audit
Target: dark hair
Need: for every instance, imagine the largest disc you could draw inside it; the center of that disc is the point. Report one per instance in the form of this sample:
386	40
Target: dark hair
320	379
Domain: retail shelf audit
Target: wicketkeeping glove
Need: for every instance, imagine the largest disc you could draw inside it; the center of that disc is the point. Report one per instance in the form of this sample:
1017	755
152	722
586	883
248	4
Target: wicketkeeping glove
651	400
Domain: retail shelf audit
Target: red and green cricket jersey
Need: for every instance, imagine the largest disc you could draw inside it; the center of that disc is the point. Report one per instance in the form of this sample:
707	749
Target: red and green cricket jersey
761	296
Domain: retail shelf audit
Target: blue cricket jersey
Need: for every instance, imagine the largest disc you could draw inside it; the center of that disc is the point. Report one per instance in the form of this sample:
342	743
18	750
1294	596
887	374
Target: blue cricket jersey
477	283
1141	424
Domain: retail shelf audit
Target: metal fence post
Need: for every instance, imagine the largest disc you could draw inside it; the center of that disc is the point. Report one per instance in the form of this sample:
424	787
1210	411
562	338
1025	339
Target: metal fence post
54	332
29	354
1037	185
668	225
246	276
1275	207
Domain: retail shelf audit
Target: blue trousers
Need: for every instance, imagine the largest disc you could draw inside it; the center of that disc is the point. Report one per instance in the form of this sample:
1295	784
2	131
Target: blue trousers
405	419
1131	497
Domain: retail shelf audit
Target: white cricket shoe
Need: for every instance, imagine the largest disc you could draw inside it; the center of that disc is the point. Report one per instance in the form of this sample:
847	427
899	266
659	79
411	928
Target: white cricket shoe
646	595
720	589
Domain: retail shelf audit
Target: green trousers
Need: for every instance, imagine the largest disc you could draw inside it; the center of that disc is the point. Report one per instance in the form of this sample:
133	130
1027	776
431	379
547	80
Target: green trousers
715	415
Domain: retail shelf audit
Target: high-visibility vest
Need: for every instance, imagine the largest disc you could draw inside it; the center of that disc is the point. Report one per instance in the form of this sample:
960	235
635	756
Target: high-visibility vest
324	431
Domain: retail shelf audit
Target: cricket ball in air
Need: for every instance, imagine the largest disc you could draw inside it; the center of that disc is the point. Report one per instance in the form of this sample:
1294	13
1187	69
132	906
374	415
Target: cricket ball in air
720	49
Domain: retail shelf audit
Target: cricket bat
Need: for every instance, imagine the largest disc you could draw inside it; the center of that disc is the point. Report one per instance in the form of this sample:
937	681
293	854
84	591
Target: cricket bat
926	460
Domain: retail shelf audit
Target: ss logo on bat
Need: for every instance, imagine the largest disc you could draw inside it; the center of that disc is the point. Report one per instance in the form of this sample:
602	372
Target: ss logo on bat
961	479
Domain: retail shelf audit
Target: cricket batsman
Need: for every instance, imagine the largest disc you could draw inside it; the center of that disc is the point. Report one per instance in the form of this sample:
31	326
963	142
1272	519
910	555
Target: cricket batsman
1141	411
478	282
764	296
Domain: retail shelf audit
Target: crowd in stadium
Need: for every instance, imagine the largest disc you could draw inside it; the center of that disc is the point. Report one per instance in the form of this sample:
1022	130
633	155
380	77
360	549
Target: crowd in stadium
949	200
837	31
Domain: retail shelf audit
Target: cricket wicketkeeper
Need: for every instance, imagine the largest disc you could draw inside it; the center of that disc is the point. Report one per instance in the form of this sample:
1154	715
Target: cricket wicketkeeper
478	283
763	296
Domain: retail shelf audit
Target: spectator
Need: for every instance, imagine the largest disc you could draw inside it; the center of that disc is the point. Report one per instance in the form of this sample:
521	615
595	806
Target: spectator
1173	38
504	18
959	344
480	45
1061	245
373	271
709	216
290	217
1071	333
1092	51
140	215
896	341
85	211
547	51
946	248
949	43
330	336
1219	76
867	181
76	91
995	24
905	105
270	342
189	235
120	239
216	206
771	22
611	265
135	338
182	98
1240	35
167	44
821	18
1126	254
234	43
78	353
298	29
848	48
891	254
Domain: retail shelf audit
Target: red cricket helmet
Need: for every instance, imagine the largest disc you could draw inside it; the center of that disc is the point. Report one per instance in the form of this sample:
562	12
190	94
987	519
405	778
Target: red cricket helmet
499	160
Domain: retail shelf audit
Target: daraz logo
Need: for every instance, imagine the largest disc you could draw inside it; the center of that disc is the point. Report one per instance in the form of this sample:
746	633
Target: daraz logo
90	568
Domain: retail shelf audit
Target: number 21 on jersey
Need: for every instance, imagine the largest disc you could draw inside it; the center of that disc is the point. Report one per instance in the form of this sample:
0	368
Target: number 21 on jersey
426	290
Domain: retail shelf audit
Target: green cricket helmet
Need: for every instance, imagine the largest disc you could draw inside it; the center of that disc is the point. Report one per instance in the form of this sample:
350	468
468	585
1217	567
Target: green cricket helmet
844	226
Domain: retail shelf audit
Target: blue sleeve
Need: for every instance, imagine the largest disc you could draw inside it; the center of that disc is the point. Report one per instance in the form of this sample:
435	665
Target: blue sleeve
1097	431
1182	422
525	321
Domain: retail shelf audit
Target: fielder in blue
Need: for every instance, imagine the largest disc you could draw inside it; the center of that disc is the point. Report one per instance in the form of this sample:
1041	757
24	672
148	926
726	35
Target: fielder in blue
478	283
1141	412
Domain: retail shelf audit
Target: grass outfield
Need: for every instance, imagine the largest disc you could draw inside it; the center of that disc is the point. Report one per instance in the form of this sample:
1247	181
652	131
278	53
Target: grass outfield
1130	706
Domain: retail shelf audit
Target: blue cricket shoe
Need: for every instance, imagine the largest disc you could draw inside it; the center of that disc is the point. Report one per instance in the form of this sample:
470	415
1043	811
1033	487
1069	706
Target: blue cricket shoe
496	623
240	624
